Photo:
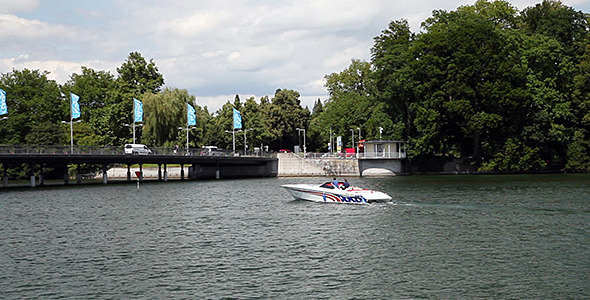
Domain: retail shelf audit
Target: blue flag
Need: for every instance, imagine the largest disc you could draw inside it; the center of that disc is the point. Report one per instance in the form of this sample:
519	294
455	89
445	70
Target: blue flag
3	108
75	106
191	115
237	119
137	110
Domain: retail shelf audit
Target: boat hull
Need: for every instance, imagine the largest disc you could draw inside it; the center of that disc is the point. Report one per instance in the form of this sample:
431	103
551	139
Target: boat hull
315	193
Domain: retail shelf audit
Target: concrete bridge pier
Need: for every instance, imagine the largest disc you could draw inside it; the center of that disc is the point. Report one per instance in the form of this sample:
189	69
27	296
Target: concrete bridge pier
181	172
32	174
41	181
140	172
78	175
159	172
165	173
66	175
128	172
5	175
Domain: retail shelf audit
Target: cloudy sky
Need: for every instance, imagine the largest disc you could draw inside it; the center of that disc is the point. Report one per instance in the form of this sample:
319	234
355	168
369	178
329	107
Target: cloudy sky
214	49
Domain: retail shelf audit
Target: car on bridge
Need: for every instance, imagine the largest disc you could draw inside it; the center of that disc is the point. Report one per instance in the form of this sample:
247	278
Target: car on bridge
140	149
213	151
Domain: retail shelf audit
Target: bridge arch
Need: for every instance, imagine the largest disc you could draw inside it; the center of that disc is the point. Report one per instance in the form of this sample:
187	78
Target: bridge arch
386	166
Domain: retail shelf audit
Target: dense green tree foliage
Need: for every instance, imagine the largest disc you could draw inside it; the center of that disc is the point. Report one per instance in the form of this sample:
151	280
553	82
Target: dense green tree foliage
487	83
35	105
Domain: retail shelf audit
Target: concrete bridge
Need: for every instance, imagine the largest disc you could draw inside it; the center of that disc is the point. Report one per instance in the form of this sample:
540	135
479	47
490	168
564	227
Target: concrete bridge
198	166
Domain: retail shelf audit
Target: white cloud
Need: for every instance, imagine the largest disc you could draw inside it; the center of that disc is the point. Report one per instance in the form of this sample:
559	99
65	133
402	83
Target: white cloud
17	28
12	6
60	71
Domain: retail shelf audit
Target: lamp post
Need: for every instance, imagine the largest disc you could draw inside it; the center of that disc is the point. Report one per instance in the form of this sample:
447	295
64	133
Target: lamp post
71	133
187	130
330	145
380	132
357	144
233	132
304	148
352	141
127	125
245	146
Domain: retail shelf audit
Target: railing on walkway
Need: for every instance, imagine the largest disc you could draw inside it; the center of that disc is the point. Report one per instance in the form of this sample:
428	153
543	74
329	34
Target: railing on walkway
108	150
316	155
383	155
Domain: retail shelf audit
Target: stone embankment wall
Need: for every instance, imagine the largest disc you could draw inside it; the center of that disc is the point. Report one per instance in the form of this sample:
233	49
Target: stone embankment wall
293	165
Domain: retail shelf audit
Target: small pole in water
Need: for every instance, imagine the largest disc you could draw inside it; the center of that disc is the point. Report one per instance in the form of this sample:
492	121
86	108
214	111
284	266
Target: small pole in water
138	174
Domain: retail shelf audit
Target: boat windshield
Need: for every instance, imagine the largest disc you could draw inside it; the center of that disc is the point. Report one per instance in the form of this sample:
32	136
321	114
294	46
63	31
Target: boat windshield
327	185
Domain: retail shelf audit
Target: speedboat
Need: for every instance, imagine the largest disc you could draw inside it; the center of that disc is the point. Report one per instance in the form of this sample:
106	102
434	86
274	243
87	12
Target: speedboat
328	193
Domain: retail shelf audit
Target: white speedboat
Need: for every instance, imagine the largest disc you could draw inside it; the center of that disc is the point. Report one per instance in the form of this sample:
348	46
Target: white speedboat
327	193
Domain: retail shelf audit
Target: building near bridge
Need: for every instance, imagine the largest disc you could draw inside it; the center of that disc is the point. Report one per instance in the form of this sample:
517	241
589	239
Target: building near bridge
383	149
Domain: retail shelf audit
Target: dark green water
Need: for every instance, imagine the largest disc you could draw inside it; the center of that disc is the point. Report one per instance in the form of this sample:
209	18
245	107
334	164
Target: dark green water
443	237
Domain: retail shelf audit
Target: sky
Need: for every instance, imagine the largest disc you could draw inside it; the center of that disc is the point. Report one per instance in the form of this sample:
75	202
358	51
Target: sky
213	49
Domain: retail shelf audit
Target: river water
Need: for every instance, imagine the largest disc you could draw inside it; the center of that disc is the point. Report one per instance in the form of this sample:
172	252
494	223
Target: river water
443	237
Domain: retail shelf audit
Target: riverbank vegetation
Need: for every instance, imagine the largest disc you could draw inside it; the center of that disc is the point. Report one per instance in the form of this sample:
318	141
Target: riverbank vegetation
503	89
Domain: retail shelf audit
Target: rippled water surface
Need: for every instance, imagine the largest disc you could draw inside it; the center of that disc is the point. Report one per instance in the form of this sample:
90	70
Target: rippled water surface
442	237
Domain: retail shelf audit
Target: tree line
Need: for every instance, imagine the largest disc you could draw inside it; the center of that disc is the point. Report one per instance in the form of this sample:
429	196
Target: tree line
504	89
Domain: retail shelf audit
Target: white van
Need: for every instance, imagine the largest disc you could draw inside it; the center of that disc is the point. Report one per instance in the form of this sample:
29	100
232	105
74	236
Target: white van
137	149
212	150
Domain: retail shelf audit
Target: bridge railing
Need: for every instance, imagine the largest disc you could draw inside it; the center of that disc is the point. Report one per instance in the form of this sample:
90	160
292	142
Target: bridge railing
103	150
59	150
393	154
385	154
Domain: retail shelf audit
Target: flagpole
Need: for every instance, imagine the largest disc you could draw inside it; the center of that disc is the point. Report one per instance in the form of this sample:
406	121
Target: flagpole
134	129
187	135
71	126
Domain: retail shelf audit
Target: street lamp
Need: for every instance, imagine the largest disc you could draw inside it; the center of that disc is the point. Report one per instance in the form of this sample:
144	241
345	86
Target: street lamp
357	144
4	118
127	125
245	147
380	132
304	148
352	141
233	132
187	130
71	133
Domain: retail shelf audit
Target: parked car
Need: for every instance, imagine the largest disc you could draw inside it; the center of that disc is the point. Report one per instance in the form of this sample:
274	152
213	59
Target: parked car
140	149
284	151
348	152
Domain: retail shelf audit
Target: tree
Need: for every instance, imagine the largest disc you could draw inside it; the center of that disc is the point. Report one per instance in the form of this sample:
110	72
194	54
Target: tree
164	113
96	91
394	65
138	77
555	20
218	125
286	114
34	102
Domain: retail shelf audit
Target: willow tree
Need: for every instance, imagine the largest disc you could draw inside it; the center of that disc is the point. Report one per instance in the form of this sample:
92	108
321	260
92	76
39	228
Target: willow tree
164	113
